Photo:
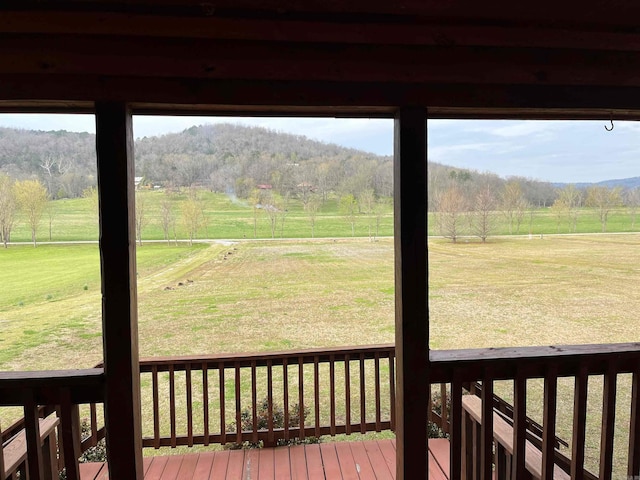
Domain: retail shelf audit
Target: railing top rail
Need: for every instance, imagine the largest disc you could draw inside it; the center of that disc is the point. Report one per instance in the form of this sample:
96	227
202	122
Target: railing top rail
533	362
262	358
46	386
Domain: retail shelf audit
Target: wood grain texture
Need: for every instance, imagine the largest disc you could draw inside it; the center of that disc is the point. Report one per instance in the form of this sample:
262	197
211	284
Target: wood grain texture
114	147
411	272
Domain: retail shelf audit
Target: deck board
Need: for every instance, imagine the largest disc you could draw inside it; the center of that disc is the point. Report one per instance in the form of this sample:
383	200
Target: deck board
347	464
251	469
378	462
361	459
370	460
282	466
266	467
203	466
315	469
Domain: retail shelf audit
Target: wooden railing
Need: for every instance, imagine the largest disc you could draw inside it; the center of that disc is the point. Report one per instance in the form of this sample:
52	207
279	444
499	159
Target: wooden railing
271	396
476	431
54	396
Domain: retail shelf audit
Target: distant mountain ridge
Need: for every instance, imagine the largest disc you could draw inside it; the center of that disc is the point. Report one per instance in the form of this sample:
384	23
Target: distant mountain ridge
625	183
233	158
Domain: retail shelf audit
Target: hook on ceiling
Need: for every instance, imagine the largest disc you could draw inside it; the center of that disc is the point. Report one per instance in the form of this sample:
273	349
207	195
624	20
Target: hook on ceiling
607	128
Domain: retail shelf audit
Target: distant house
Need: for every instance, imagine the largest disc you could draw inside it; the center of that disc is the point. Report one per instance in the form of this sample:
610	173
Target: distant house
137	181
264	186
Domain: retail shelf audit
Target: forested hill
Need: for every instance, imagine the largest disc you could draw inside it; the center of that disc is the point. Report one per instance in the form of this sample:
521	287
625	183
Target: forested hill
223	157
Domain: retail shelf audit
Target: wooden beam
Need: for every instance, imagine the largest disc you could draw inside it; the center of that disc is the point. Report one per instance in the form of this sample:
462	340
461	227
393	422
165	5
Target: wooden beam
236	97
114	140
412	317
257	60
589	12
387	30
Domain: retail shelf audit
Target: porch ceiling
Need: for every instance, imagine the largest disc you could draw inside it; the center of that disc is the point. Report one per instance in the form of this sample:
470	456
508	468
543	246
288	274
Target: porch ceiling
362	58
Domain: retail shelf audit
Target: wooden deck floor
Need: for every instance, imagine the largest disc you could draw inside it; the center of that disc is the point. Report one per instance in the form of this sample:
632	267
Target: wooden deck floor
327	461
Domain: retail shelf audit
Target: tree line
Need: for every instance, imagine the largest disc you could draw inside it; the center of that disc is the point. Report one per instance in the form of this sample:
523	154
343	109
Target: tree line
28	197
479	210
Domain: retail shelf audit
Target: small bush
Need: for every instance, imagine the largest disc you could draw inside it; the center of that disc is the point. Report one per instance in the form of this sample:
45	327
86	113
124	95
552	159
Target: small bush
93	454
436	404
262	414
86	287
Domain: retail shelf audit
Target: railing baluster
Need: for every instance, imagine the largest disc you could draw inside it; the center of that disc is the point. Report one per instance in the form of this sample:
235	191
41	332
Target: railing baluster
238	404
223	423
549	421
467	446
363	402
376	363
444	421
285	385
316	392
172	404
633	469
347	393
189	405
332	393
254	402
486	441
156	407
70	422
608	422
456	428
271	439
392	390
430	415
301	395
579	423
32	430
518	465
93	415
1	456
205	402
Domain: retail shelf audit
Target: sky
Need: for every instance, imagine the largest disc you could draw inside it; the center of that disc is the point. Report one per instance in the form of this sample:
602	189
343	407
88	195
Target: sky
556	151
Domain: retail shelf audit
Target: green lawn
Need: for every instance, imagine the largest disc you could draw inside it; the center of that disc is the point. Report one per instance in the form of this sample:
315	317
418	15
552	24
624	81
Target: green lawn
226	218
76	219
252	296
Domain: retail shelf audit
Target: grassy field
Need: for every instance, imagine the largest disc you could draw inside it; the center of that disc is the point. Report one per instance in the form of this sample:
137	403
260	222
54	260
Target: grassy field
223	218
249	296
228	218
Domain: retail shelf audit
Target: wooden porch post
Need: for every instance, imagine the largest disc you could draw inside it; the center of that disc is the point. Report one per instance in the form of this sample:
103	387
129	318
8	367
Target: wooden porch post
412	319
114	143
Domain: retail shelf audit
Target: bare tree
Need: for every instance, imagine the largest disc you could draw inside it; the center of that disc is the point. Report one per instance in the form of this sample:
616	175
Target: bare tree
367	202
569	202
283	211
256	201
192	214
50	210
32	198
482	216
451	206
313	205
604	199
167	219
141	216
632	199
7	208
514	204
349	207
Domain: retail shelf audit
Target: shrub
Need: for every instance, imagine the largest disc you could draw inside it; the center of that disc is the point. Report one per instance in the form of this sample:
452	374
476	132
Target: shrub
262	415
436	404
93	454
